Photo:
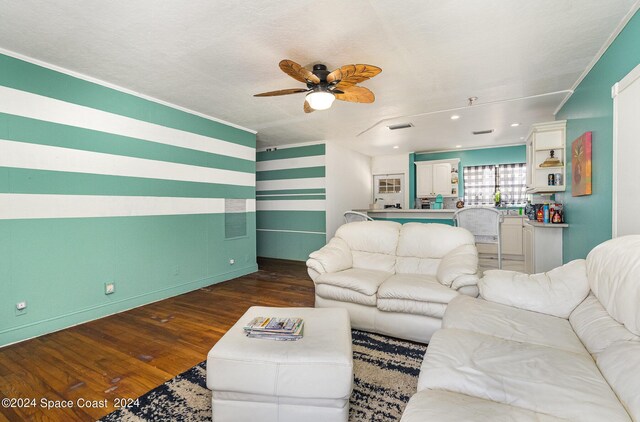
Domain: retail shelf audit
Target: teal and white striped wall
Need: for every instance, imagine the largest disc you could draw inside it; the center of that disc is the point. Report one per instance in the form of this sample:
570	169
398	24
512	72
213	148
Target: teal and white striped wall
290	201
98	185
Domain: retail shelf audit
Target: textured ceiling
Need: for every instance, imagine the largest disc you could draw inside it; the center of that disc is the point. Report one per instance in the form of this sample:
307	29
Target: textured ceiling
211	56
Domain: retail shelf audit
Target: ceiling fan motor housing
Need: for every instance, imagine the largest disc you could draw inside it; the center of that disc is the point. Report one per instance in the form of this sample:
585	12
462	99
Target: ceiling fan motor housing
321	72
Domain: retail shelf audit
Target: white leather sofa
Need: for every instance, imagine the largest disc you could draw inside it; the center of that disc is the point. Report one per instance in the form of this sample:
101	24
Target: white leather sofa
564	345
395	279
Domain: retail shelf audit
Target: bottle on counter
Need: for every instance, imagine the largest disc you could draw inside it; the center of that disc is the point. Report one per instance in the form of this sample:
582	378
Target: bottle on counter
529	210
540	215
557	217
545	210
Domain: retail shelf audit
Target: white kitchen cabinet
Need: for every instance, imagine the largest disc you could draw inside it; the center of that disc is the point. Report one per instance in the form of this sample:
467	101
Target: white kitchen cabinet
442	179
424	180
511	236
435	178
542	246
544	138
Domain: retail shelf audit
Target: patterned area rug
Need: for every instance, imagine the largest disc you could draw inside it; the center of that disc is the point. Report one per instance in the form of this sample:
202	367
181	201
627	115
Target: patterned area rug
386	375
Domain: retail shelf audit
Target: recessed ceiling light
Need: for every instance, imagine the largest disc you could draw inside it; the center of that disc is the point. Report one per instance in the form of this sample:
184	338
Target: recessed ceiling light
458	146
396	147
515	124
522	137
455	117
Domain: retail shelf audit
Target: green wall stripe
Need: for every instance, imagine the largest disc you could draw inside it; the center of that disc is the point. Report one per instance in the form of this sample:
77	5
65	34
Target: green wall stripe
299	173
294	152
480	156
290	198
313	221
285	245
417	220
59	266
289	191
23	129
30	181
18	74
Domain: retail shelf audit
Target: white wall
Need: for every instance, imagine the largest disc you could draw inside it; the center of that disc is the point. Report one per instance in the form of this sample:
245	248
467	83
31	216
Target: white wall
393	164
348	183
626	149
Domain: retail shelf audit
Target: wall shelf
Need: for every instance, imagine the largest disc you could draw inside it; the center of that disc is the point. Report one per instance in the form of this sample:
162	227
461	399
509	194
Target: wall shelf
543	138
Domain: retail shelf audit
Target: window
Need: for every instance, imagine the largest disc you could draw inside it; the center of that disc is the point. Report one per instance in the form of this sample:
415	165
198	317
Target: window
512	182
481	183
388	189
389	185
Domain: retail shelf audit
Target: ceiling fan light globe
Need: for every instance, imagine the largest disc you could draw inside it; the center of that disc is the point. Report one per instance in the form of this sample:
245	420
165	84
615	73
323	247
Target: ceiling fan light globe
320	100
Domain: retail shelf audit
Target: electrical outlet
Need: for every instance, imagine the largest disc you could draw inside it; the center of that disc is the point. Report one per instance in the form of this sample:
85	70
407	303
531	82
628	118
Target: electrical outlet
109	288
232	261
21	308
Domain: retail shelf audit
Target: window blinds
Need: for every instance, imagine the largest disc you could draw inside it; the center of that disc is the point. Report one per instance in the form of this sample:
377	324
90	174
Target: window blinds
481	183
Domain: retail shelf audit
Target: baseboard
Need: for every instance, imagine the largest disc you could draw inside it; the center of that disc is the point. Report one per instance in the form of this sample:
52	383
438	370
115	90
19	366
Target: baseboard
60	322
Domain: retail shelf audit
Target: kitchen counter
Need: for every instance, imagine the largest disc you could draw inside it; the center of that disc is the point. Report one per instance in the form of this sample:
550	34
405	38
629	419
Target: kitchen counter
408	211
412	215
546	225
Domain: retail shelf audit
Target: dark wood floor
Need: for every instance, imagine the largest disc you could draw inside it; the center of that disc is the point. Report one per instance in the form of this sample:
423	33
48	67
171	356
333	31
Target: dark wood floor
128	354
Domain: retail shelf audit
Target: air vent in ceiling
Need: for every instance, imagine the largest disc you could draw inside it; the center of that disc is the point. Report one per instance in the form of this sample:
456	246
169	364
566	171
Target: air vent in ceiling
482	132
400	126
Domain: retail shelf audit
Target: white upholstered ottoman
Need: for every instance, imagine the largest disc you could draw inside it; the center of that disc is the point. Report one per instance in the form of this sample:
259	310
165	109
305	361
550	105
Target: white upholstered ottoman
307	380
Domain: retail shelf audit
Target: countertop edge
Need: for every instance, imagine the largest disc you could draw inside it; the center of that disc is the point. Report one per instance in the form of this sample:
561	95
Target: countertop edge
546	225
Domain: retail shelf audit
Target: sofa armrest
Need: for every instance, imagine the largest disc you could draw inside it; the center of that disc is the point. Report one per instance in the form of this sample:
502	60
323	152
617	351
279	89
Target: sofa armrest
333	257
459	267
556	292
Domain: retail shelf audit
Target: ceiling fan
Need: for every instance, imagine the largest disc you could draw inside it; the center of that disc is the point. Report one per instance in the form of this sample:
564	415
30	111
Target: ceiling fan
323	87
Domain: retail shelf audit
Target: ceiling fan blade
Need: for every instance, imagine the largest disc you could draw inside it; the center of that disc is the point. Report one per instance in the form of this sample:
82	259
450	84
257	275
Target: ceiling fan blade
356	94
298	72
307	107
352	74
281	92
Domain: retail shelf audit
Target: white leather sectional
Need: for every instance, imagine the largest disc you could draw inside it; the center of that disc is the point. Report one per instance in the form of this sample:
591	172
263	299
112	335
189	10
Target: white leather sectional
395	279
564	345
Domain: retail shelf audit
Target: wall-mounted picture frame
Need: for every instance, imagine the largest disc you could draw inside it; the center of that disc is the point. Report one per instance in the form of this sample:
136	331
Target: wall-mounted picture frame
581	165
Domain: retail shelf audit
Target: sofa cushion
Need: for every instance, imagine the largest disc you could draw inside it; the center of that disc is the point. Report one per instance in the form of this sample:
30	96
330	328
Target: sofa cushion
596	328
371	236
620	365
614	270
510	323
416	287
341	294
445	406
356	279
538	378
431	240
406	306
413	265
374	261
414	294
556	292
